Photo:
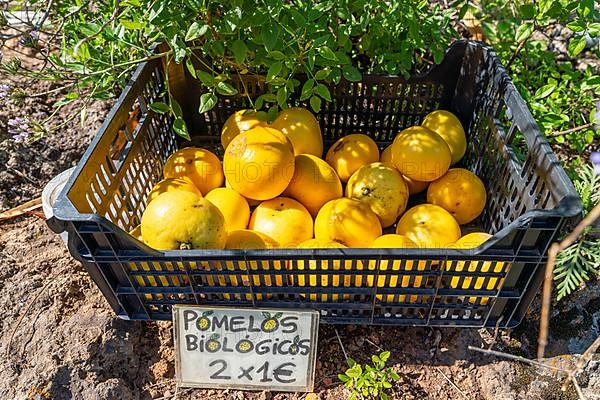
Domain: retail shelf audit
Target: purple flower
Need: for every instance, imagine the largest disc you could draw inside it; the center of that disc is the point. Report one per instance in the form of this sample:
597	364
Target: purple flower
4	91
19	128
595	159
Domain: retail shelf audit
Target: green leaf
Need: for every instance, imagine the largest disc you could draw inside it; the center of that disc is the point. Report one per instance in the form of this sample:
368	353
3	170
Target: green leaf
282	97
306	91
272	113
327	53
384	356
351	73
159	107
594	28
238	48
207	102
205	78
189	65
375	358
196	30
274	70
180	128
195	5
350	361
576	26
276	55
323	91
225	89
131	25
175	107
527	11
343	378
576	45
545	91
323	73
269	35
315	103
524	31
393	374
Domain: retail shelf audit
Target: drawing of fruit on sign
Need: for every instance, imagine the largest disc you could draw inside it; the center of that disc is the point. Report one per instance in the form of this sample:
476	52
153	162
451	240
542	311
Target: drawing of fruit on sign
213	345
244	346
203	323
271	323
294	348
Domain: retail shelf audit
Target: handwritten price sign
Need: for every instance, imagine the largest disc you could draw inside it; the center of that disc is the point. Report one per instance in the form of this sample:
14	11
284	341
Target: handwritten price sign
245	348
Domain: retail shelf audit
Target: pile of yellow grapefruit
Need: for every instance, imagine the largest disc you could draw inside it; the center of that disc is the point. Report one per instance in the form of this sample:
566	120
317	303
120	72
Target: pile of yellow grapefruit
275	181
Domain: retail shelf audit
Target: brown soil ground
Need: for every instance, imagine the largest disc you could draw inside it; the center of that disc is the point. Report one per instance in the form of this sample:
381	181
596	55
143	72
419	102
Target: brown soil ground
60	340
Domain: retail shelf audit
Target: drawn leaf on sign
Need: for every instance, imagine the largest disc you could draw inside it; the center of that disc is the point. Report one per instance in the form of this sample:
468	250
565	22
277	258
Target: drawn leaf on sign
278	315
206	313
297	339
266	314
214	336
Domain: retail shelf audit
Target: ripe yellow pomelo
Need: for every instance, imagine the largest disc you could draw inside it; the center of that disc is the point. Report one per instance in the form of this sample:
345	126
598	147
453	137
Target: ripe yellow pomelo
347	221
351	152
180	220
471	241
445	124
420	154
414	187
284	219
232	205
259	163
137	233
251	202
239	122
303	130
199	165
324	279
393	241
246	239
460	192
169	184
382	188
429	226
314	183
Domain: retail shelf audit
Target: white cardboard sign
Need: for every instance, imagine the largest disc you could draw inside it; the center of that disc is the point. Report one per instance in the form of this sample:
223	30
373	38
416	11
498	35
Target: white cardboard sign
217	347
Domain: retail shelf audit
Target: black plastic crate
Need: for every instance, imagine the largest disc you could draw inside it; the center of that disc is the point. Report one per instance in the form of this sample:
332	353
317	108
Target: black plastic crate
530	202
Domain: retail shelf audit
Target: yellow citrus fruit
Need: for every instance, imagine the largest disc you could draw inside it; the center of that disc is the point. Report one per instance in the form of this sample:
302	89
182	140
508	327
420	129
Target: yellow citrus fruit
137	233
347	221
259	163
232	205
420	154
246	239
414	187
303	130
180	220
471	241
386	156
169	184
314	183
429	226
393	241
199	165
239	122
351	152
448	126
460	192
283	219
251	202
324	279
382	188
